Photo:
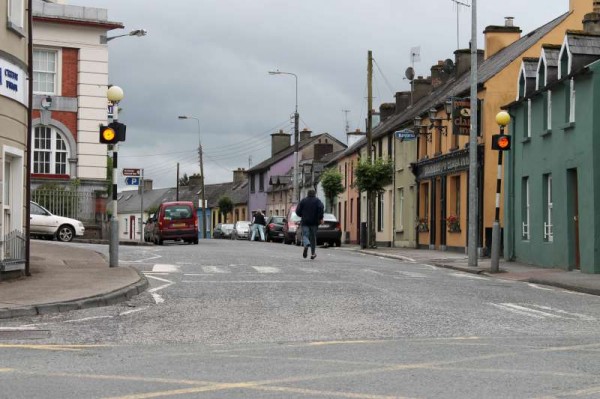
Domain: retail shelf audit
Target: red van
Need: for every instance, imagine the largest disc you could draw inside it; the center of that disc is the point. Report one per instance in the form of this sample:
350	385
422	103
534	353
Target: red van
175	221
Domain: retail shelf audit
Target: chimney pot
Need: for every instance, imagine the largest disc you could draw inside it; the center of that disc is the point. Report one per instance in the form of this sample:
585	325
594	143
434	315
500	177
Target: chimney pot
509	21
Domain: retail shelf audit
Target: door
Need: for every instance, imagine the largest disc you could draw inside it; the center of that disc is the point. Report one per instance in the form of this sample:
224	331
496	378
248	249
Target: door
573	209
132	227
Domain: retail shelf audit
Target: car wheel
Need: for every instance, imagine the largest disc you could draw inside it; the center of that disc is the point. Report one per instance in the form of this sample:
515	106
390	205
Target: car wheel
65	233
338	243
196	240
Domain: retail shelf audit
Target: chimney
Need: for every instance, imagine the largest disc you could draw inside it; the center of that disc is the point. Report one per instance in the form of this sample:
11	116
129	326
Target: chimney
280	141
305	134
462	60
353	137
421	88
195	181
439	75
322	149
239	175
386	110
402	101
147	186
499	37
591	21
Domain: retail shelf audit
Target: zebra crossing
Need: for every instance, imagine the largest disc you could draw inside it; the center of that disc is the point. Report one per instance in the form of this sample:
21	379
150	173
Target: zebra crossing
540	312
159	269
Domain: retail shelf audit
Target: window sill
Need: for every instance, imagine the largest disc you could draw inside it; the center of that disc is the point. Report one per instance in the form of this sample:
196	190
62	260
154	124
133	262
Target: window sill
546	133
567	127
16	29
526	140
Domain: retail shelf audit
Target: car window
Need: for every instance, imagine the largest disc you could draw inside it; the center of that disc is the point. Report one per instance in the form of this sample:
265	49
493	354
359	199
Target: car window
329	217
227	227
294	218
37	210
277	219
176	212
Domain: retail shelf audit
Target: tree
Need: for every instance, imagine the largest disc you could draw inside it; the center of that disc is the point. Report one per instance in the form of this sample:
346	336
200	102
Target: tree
184	181
225	205
331	181
372	178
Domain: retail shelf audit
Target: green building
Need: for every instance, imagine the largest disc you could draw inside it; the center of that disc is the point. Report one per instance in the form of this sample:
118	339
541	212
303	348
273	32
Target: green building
552	174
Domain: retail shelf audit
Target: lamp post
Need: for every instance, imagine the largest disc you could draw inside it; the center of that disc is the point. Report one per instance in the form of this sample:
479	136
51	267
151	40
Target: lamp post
473	231
114	95
202	199
296	193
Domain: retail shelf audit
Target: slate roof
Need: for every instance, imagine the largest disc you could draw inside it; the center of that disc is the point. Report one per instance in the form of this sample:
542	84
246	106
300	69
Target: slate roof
529	70
550	53
584	48
460	86
289	151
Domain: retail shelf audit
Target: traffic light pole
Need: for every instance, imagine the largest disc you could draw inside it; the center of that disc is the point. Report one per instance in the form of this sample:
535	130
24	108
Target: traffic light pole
114	222
495	261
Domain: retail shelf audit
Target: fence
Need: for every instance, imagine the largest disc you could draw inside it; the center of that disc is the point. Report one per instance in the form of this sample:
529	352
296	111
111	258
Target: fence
80	205
13	250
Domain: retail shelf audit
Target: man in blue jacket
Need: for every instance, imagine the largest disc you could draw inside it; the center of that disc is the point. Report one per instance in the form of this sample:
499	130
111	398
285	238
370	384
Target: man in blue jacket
310	209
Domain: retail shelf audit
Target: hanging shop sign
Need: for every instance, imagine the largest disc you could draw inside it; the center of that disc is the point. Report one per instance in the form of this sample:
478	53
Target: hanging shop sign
461	116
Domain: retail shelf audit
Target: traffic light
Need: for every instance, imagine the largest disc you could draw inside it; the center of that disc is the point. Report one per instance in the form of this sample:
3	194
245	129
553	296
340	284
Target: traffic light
113	133
500	142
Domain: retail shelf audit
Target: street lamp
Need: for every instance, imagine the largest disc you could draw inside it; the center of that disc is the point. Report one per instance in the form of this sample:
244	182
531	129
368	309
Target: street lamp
296	193
114	95
134	32
201	174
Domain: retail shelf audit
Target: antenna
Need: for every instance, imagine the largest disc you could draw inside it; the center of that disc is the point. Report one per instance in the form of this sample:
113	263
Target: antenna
415	55
249	161
458	4
345	111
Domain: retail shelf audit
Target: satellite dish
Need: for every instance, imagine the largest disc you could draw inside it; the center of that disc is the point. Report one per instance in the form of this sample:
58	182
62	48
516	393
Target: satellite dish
448	66
410	73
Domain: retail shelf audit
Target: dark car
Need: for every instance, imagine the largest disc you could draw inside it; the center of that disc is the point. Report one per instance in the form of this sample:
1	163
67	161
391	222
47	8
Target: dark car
274	228
223	230
329	232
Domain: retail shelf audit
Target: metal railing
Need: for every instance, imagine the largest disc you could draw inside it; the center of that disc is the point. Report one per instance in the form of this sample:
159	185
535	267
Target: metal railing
78	205
13	249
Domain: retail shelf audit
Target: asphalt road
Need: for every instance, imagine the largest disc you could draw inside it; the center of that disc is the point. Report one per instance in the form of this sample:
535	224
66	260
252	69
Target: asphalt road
227	319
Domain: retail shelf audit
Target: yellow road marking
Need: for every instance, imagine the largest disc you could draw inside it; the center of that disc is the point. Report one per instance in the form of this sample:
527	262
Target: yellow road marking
319	343
313	392
6	370
210	388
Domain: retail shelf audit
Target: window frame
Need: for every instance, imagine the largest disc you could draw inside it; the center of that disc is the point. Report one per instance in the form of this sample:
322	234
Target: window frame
57	76
548	226
54	135
16	23
525	218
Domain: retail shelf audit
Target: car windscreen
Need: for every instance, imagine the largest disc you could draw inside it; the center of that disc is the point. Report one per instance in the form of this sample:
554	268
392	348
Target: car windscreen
178	212
294	217
329	217
278	219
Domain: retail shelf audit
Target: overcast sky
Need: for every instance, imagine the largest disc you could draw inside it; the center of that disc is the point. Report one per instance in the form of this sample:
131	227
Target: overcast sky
210	59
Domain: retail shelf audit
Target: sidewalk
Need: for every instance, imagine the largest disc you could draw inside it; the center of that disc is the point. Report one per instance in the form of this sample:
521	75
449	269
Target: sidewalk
570	280
67	278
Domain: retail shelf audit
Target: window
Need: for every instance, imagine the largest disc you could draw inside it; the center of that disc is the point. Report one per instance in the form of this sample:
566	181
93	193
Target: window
351	208
525	208
570	101
564	63
261	182
389	147
380	148
16	11
456	181
541	79
7	183
380	202
547	122
527	119
401	209
252	183
548	230
45	71
50	153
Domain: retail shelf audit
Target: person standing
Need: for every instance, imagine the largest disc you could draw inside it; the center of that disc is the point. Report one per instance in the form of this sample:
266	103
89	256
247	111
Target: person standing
258	223
310	209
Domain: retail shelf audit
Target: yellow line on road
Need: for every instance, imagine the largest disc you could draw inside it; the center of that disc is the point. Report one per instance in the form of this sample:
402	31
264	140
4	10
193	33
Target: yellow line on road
6	370
313	392
71	348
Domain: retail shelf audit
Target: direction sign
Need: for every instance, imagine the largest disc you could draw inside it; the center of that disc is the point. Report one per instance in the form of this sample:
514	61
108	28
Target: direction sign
132	181
405	135
131	172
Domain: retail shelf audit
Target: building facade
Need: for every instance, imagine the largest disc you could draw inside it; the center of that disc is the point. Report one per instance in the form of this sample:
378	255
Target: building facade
14	125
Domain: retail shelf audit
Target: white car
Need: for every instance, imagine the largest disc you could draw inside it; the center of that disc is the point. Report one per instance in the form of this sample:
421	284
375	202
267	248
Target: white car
44	223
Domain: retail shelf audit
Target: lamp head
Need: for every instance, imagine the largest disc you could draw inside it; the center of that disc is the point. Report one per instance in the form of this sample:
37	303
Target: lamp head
182	117
502	118
417	122
115	94
448	107
138	32
274	73
432	113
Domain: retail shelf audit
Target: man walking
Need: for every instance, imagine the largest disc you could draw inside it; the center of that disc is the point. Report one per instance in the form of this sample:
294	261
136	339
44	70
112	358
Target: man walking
310	209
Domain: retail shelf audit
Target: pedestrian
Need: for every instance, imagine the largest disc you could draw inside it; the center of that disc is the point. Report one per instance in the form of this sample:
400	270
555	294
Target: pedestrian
258	224
310	209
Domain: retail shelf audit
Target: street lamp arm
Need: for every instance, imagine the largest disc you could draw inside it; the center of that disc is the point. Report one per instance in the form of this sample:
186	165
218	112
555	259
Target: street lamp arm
134	32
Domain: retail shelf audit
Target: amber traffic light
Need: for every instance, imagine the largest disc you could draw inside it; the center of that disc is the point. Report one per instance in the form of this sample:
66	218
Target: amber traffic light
113	133
500	142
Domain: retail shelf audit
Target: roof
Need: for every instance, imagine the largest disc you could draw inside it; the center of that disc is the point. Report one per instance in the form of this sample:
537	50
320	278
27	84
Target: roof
459	86
584	48
289	151
71	14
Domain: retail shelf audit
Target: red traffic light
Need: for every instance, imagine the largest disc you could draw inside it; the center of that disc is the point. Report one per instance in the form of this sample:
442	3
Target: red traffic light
500	142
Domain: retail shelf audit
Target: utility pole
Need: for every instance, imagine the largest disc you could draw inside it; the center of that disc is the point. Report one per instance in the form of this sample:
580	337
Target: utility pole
202	193
473	236
142	208
370	195
177	191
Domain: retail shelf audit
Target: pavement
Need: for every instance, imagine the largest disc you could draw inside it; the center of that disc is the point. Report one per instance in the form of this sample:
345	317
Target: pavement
67	278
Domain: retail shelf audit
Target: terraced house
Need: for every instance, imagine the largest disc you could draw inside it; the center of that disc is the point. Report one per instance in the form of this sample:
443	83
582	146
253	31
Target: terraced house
553	187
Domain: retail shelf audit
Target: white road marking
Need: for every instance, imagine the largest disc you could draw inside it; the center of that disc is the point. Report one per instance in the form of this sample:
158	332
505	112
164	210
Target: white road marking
309	270
164	268
564	312
469	275
87	318
533	310
145	260
214	269
266	269
133	311
264	282
157	297
373	271
540	287
501	306
411	274
29	327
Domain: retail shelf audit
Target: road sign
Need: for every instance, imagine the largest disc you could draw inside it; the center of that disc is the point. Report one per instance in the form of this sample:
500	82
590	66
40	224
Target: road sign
132	181
131	172
405	135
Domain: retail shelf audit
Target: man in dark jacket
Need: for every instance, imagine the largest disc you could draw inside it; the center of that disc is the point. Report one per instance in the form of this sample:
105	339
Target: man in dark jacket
310	209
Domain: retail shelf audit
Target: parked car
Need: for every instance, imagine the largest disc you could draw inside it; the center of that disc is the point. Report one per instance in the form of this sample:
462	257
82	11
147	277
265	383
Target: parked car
329	232
290	225
240	230
223	230
45	224
175	221
149	228
274	228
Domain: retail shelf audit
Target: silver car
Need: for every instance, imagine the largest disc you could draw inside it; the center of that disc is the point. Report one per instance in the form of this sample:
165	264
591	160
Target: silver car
240	230
44	223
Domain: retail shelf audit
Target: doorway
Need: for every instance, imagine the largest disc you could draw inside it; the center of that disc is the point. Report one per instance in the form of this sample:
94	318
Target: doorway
573	215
